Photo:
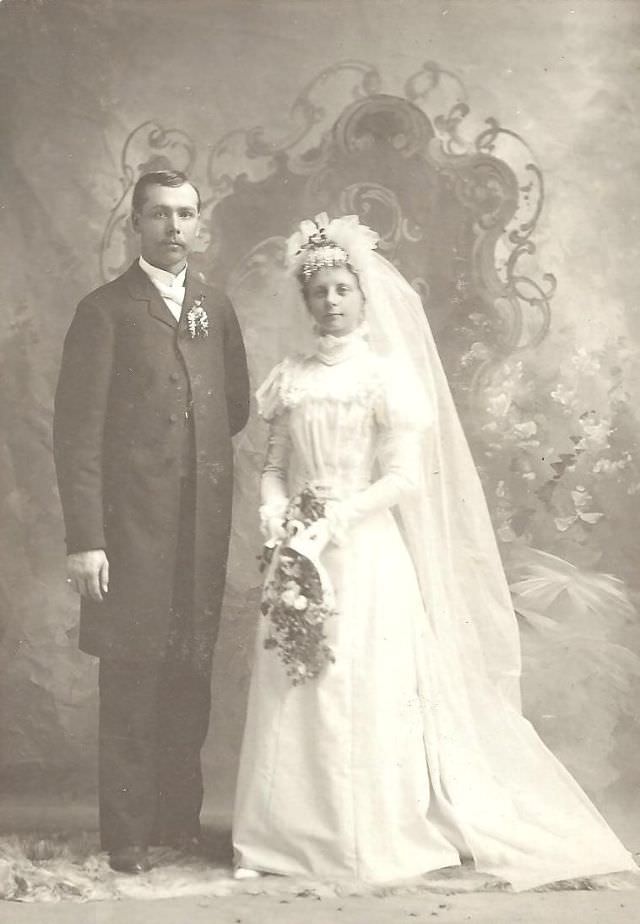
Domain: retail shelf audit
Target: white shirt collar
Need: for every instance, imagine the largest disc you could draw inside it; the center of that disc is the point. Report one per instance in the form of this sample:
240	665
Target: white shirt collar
165	278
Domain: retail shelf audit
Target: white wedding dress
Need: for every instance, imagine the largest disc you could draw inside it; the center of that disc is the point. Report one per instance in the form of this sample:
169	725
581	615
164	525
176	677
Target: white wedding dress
380	769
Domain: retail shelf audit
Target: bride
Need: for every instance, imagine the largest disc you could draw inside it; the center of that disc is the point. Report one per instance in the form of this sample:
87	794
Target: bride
407	751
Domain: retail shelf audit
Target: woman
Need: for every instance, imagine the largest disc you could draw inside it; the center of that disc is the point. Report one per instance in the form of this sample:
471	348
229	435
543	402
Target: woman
407	752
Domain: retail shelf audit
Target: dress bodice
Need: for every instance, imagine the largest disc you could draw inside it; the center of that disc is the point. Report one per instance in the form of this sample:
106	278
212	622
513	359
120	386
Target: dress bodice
333	445
332	412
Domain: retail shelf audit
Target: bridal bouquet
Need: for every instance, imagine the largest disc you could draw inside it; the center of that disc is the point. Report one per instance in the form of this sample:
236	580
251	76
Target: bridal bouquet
298	598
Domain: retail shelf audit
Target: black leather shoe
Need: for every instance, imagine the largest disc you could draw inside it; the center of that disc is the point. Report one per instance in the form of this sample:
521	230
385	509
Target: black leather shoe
133	860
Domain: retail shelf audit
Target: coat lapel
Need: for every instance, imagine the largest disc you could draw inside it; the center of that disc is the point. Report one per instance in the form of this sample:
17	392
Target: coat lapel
142	289
193	289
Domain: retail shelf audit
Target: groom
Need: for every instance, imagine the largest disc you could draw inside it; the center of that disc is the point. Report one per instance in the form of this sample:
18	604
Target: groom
152	387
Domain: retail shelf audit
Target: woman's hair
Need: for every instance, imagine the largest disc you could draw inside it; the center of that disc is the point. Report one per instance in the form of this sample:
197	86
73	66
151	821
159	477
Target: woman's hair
305	279
173	178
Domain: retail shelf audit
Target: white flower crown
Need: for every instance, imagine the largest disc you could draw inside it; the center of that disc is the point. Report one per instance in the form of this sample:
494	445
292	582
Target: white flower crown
321	243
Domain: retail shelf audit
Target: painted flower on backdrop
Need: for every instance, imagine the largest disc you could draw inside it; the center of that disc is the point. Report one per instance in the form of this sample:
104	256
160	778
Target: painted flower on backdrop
565	396
596	431
499	404
582	500
610	467
554	441
477	352
585	363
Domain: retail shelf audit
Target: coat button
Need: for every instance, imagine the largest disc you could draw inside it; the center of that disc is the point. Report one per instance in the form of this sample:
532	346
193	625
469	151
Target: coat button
174	377
173	418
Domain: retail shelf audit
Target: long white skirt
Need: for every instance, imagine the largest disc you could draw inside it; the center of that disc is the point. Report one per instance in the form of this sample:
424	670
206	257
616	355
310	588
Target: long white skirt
375	769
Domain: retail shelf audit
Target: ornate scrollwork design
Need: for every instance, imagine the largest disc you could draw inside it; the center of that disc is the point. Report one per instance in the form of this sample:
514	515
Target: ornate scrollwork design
423	87
148	147
484	185
457	215
382	119
304	147
523	291
269	254
365	199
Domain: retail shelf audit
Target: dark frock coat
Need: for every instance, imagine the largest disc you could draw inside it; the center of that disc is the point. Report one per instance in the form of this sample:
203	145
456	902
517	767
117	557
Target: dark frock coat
128	373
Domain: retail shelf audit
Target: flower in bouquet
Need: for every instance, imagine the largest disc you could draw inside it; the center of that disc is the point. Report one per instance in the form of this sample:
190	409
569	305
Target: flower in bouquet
295	599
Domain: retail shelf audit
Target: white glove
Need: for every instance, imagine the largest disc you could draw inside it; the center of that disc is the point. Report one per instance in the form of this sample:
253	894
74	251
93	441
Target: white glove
272	521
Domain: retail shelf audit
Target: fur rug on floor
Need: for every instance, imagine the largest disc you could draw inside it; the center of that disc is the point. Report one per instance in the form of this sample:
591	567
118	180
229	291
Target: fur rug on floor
70	868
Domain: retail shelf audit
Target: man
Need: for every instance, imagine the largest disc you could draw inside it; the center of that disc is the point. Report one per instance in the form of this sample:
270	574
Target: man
152	387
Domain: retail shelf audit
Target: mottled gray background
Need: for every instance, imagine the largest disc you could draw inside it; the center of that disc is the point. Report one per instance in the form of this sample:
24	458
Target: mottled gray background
77	79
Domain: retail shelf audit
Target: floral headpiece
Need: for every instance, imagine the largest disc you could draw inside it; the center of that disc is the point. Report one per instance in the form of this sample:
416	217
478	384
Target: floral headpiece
321	243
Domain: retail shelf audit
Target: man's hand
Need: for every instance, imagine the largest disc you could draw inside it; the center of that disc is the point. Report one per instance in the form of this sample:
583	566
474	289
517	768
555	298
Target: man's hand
88	573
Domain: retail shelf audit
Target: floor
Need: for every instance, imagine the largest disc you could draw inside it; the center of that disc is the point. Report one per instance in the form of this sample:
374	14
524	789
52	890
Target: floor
581	907
532	908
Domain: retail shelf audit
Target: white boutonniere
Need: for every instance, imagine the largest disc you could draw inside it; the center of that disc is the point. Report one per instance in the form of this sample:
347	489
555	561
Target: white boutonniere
197	319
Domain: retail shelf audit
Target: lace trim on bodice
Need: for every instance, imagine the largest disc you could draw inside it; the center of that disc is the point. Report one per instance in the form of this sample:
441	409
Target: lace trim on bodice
358	378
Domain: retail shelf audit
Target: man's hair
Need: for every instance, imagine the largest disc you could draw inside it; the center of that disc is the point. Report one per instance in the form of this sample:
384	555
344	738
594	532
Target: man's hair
159	178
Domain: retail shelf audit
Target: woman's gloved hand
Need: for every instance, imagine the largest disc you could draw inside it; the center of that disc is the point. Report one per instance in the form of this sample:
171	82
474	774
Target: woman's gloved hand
272	520
339	517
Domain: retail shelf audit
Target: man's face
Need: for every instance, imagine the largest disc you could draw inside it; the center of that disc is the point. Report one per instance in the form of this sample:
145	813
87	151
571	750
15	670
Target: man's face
167	224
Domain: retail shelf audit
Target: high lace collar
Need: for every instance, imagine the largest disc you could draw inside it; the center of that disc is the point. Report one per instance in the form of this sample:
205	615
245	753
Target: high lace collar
331	350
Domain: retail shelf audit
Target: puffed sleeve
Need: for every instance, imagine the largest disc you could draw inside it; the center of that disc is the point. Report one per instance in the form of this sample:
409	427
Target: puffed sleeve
403	418
403	402
270	395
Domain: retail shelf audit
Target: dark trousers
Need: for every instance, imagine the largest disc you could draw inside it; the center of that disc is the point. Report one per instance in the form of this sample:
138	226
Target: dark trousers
153	722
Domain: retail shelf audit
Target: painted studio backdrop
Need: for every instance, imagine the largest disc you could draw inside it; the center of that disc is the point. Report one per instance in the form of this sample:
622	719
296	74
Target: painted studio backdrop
493	145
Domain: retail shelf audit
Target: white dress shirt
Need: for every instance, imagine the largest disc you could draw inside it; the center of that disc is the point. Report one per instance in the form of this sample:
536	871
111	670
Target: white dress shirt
170	287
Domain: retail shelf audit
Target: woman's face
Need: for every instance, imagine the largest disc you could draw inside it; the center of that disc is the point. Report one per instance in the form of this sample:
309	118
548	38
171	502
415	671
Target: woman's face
335	300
